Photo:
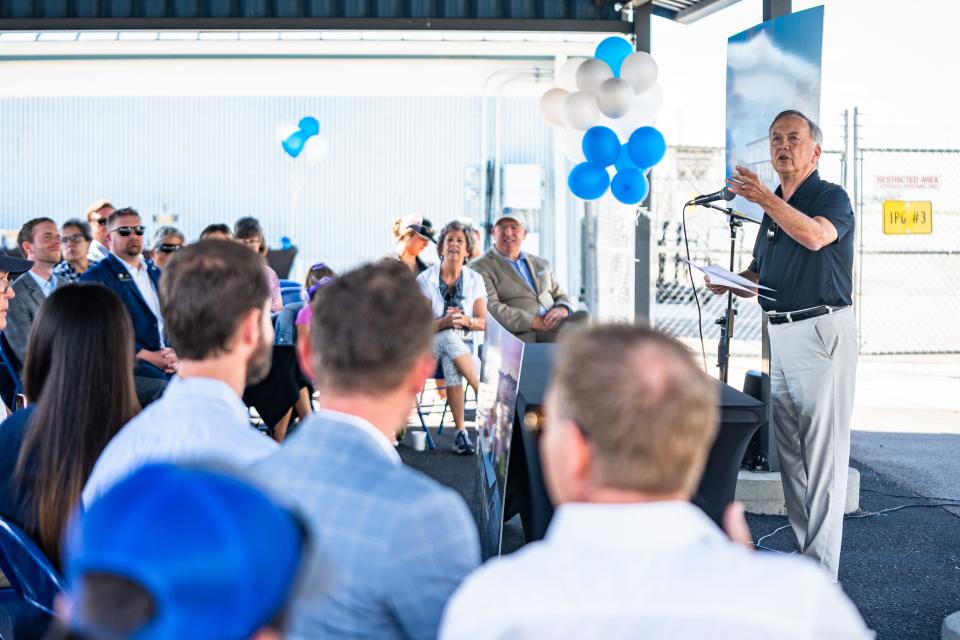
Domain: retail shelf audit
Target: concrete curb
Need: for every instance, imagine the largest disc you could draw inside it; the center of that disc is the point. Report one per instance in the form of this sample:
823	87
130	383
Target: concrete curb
761	492
951	627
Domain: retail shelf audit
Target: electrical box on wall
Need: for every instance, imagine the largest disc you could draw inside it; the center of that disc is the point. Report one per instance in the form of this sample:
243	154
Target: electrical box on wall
522	186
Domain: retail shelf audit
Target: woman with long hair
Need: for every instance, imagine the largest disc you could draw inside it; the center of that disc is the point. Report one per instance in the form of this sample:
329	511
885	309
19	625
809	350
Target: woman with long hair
248	231
459	299
78	379
412	234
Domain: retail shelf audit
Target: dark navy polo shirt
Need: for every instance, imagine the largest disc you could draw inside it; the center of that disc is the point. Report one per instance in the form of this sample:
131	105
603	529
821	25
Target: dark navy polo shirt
804	278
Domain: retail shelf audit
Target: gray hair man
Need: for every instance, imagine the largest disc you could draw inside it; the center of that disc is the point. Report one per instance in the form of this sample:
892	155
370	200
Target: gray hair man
804	251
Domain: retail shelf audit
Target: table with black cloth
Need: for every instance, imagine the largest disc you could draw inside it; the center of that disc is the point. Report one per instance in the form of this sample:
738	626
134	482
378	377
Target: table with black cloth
740	416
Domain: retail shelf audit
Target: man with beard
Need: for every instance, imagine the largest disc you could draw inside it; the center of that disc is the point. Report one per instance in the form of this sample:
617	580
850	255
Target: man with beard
136	281
216	309
39	239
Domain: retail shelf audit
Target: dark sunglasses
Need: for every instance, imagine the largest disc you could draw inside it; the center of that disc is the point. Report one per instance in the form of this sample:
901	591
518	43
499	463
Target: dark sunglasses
169	248
126	231
76	237
102	222
318	266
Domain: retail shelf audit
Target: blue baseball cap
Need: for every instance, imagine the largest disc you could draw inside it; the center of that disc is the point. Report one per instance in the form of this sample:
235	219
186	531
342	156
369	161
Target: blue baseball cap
218	557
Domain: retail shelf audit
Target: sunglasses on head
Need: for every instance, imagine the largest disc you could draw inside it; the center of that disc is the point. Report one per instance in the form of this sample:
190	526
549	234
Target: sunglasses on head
169	248
126	231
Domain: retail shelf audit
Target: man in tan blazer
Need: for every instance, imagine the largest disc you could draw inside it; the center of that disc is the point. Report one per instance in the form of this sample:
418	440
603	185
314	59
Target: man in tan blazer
521	291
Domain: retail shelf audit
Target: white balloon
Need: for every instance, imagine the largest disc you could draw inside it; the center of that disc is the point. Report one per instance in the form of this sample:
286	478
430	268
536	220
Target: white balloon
640	70
581	110
573	146
615	97
592	74
648	103
567	74
551	106
315	150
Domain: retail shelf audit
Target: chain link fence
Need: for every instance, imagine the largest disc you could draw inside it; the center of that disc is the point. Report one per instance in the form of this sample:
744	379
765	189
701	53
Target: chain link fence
906	300
685	173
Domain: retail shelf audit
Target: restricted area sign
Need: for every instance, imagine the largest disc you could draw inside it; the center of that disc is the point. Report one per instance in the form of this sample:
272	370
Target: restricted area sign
902	217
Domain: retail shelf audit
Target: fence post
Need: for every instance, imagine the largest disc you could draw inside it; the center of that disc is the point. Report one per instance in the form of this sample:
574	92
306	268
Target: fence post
858	208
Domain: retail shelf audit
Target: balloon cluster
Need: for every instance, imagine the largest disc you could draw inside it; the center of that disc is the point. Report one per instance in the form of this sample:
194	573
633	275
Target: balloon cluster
304	139
604	103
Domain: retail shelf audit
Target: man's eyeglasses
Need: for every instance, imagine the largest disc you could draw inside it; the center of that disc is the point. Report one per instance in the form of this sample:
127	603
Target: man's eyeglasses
169	248
76	237
126	231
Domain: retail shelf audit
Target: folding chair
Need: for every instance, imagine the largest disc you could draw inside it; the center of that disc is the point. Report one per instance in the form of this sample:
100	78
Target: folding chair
34	583
439	375
292	291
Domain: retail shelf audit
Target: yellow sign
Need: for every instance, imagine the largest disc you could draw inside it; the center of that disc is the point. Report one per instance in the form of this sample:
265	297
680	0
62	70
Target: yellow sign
901	217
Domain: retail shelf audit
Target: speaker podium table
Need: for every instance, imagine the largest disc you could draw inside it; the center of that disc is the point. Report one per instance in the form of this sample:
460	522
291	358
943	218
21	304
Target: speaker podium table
740	416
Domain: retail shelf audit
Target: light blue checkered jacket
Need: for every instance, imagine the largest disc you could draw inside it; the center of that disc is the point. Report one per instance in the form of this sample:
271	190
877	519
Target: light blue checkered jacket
390	545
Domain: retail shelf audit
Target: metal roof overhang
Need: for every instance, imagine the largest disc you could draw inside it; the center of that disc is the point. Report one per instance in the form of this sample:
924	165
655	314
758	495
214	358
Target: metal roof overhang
603	16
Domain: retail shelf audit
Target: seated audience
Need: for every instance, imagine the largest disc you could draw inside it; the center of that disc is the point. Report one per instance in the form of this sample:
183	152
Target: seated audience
39	239
166	242
249	232
474	231
48	449
8	266
216	307
76	237
216	231
319	276
136	280
459	300
630	421
397	543
412	235
521	292
97	215
181	553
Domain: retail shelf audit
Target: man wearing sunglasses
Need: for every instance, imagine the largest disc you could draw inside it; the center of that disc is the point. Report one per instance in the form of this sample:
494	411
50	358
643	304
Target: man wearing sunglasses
39	239
97	214
136	281
804	251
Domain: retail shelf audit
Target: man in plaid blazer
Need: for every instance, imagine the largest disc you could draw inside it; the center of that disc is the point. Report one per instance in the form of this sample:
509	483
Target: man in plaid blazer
390	544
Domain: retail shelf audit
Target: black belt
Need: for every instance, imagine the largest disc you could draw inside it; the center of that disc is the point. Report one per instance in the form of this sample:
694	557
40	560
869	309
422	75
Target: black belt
803	314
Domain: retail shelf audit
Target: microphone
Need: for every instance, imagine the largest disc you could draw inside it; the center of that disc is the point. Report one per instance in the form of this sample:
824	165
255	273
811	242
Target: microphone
723	194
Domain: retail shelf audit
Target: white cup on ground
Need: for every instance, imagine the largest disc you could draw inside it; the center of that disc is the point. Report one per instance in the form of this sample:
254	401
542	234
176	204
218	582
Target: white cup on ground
419	440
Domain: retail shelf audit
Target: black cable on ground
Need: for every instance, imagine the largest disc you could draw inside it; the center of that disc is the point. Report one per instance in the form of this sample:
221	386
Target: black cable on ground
696	298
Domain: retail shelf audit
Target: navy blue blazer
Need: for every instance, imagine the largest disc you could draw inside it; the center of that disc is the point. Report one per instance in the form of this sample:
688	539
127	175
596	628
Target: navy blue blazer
111	273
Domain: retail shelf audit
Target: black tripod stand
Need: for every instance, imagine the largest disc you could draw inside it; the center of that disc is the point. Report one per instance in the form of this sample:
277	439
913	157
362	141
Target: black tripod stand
735	220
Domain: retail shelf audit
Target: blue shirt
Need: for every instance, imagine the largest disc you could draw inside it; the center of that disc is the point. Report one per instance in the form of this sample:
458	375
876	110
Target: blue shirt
520	266
46	286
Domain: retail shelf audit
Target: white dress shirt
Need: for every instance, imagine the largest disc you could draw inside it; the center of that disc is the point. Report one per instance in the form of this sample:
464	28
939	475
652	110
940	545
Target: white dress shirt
197	420
141	277
647	570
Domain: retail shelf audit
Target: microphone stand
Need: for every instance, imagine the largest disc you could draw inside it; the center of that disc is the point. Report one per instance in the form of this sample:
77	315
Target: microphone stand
735	220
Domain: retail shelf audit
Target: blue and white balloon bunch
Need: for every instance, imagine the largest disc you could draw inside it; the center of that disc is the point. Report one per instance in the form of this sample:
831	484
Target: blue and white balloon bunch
605	104
304	140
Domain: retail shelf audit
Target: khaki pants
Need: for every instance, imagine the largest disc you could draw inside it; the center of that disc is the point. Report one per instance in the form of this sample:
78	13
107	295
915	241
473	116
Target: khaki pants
812	376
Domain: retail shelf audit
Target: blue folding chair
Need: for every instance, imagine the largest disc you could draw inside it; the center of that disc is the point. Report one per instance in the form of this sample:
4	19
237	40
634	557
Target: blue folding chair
292	291
34	583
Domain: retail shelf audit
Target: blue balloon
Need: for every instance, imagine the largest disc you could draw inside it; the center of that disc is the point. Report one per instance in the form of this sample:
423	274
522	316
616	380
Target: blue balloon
601	146
646	147
624	161
613	51
588	181
309	126
293	145
629	186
